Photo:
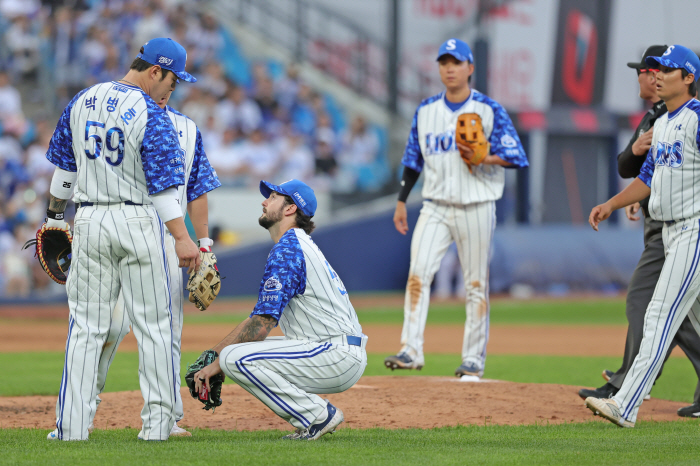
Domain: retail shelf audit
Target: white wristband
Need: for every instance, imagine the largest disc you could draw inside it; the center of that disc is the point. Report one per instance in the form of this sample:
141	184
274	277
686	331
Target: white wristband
166	204
206	242
63	183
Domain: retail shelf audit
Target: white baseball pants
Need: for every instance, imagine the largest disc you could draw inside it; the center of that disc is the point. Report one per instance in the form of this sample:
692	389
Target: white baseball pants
287	375
117	249
471	227
675	295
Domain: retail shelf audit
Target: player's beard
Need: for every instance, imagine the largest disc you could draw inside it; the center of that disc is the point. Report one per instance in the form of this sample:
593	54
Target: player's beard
270	218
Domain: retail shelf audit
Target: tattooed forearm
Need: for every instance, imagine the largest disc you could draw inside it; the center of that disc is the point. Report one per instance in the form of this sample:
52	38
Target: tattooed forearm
254	328
57	205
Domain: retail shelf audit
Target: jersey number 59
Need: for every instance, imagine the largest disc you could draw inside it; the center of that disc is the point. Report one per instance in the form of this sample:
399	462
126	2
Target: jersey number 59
97	136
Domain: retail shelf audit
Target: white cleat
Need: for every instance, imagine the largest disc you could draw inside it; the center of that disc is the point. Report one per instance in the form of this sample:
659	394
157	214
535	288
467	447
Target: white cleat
52	435
607	408
178	431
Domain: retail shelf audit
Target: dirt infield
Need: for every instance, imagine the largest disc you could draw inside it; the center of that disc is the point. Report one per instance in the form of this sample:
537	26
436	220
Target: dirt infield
390	402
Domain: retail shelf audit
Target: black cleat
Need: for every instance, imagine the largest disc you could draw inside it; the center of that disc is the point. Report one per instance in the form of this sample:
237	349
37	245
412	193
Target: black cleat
690	411
606	391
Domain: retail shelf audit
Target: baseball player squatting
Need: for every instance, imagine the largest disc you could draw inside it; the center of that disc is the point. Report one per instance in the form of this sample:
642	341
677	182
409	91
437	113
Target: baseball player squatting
323	350
670	175
121	154
646	274
459	204
200	178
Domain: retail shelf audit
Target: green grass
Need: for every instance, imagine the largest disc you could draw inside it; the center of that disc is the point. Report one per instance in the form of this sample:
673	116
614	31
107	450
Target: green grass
678	381
536	312
588	443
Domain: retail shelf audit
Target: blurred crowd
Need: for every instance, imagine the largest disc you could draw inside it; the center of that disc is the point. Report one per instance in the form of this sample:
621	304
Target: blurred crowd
258	119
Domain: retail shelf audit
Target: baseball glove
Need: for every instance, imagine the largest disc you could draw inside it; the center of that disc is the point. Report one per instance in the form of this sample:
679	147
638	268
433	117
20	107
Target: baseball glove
204	284
53	249
470	132
210	398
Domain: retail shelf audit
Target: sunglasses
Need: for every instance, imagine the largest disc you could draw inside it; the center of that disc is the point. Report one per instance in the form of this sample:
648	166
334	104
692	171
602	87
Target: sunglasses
647	70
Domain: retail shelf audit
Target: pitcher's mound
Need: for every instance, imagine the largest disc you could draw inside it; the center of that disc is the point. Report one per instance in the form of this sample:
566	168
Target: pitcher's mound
390	402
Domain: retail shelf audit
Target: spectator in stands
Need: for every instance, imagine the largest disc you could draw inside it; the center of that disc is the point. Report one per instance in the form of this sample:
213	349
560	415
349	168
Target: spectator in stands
227	158
23	43
261	158
152	23
265	98
214	80
287	88
238	111
296	159
359	148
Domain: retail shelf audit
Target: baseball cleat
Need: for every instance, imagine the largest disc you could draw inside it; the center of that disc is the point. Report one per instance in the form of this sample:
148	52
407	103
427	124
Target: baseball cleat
606	391
316	431
607	408
607	374
294	435
52	435
690	411
402	361
469	370
178	431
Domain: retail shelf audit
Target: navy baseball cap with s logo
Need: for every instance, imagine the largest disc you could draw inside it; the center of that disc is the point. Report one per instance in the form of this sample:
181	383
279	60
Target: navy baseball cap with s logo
677	56
458	49
167	54
300	192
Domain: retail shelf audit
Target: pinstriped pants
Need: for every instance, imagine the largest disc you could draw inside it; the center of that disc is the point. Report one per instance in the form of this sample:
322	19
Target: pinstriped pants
288	375
675	297
120	327
117	248
471	227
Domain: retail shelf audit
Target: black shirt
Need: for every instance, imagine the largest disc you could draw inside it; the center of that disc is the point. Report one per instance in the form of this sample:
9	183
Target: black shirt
628	164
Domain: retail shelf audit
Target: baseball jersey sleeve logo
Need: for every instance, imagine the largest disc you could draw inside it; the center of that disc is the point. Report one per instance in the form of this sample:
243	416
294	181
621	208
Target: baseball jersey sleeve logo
508	141
163	60
271	285
669	154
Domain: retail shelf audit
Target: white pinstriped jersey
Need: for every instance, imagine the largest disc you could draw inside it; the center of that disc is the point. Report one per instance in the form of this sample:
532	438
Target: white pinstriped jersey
122	145
200	177
672	167
432	148
302	291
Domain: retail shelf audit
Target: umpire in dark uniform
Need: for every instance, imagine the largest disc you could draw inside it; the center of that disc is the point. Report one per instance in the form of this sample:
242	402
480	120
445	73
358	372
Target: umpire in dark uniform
645	276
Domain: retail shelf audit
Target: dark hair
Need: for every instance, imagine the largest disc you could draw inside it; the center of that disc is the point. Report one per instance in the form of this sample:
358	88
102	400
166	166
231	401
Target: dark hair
142	65
693	88
302	220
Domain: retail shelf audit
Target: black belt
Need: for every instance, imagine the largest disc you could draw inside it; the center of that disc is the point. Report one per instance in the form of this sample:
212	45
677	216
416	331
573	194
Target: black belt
89	204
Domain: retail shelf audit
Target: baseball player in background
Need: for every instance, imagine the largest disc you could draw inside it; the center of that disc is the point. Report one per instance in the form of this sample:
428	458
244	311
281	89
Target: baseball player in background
200	178
459	205
646	275
670	174
121	154
323	350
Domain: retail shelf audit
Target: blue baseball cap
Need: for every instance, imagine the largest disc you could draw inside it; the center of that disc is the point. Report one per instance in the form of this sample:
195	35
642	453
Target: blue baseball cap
458	49
167	54
677	56
300	192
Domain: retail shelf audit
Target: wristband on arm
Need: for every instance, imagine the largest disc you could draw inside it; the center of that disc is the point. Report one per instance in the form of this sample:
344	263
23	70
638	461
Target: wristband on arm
408	180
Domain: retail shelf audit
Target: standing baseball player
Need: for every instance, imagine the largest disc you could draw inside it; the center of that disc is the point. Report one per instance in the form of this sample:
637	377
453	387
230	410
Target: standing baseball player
200	179
670	174
459	205
120	152
646	275
323	350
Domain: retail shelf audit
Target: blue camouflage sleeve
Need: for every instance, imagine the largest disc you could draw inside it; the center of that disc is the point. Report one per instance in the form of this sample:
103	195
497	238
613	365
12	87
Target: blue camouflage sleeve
504	140
647	170
60	151
284	278
161	156
412	156
202	176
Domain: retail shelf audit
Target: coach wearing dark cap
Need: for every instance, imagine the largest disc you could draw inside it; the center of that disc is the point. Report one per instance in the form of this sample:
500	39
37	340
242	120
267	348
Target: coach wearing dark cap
646	275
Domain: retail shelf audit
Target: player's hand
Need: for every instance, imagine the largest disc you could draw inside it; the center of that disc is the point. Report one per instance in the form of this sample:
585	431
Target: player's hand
643	143
598	214
401	218
631	210
465	151
209	371
188	253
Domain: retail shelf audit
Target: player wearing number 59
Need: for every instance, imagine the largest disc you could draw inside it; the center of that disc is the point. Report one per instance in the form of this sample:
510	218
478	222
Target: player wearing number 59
461	140
117	153
323	350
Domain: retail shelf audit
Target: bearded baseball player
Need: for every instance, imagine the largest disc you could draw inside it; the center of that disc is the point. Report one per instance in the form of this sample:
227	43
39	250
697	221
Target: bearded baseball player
200	179
323	350
459	204
121	154
670	175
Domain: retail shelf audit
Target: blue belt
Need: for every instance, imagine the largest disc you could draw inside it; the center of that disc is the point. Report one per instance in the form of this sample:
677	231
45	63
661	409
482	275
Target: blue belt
88	204
355	341
671	222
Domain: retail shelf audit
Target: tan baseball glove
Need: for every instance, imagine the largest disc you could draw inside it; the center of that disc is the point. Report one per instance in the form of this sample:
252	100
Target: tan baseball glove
470	132
204	284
